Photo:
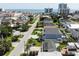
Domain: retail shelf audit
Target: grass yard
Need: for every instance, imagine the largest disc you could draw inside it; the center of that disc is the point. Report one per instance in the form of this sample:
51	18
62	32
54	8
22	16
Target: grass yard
34	41
35	32
33	21
61	46
8	52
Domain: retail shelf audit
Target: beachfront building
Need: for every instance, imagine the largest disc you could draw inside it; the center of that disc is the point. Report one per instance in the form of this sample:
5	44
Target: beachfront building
76	12
48	10
0	9
63	10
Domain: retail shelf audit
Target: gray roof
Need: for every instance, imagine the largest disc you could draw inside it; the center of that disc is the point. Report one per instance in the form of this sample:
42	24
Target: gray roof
49	45
51	31
48	22
6	19
52	36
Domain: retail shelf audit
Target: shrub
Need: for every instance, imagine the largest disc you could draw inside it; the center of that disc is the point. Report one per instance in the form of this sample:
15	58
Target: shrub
14	38
60	47
5	46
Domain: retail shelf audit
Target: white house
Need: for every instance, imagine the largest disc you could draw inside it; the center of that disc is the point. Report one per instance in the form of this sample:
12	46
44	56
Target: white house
77	45
71	46
74	29
16	33
73	26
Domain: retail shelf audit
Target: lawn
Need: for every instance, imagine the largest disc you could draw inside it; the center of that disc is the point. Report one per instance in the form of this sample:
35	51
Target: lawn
33	21
68	35
39	24
20	36
35	32
9	37
67	31
34	41
71	39
61	46
16	38
8	52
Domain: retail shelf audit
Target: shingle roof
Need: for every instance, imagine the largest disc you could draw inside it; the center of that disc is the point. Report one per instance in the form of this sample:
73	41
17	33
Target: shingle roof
49	45
51	31
52	36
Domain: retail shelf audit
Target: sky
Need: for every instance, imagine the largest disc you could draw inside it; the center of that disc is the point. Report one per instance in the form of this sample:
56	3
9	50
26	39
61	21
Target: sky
36	5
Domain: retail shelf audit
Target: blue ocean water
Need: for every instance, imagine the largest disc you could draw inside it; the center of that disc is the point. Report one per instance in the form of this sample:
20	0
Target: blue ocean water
26	10
32	10
29	10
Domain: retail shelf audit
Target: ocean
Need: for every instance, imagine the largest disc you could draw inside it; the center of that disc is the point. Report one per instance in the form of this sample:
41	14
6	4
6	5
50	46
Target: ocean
32	10
26	10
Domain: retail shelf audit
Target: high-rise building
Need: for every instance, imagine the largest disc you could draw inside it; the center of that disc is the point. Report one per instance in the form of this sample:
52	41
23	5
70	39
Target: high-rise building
62	6
0	9
63	9
48	10
76	12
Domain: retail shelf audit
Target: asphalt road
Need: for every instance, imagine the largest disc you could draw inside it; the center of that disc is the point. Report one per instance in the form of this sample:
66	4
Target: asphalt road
20	47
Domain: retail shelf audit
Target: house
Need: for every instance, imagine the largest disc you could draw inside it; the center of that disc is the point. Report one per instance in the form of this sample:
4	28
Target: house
75	33
13	18
48	46
6	20
52	34
16	33
74	29
67	25
50	31
73	26
22	19
48	22
49	49
66	52
75	16
77	45
54	53
71	46
33	51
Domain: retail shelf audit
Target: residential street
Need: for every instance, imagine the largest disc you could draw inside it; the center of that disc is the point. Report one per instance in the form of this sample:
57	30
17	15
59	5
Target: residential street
20	47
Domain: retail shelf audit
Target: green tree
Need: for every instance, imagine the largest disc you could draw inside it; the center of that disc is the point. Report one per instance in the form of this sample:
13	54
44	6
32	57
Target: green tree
2	49
5	30
5	46
14	38
24	27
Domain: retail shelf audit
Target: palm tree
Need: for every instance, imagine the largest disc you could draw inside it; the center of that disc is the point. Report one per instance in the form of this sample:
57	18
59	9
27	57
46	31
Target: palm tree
2	48
5	46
